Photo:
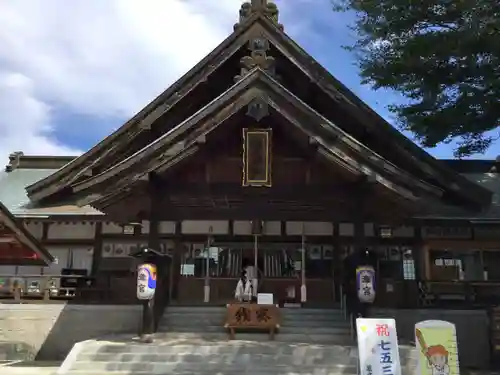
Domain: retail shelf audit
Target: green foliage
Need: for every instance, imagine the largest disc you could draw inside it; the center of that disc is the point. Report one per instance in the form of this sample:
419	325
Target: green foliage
442	55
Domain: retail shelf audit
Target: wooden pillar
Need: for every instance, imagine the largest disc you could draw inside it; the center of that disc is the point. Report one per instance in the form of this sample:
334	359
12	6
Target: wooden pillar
148	306
418	253
176	261
361	197
337	271
97	252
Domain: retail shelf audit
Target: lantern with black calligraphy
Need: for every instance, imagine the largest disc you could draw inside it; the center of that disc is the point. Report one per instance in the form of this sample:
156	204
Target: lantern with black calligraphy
365	284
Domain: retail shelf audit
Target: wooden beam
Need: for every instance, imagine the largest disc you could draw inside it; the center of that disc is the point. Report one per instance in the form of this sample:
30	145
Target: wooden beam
301	192
250	211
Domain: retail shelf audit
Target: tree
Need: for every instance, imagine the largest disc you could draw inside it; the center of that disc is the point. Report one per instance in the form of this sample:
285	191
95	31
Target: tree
443	56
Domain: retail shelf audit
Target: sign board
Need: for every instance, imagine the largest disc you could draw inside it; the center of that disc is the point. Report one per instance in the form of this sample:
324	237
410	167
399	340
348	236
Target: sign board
378	347
146	281
187	269
265	299
436	341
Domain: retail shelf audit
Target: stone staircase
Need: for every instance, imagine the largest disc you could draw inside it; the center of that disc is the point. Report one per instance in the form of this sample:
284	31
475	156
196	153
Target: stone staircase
192	340
326	326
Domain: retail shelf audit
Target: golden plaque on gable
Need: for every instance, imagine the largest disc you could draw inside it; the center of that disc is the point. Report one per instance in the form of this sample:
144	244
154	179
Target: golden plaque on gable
257	157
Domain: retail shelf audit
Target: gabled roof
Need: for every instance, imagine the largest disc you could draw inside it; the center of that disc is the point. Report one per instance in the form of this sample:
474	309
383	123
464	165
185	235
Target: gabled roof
183	141
153	111
21	234
376	124
266	21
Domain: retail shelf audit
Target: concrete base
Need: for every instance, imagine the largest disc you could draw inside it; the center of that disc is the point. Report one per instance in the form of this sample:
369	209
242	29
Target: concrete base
49	331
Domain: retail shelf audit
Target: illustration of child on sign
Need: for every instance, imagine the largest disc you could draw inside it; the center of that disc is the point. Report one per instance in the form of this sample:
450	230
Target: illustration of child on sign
437	356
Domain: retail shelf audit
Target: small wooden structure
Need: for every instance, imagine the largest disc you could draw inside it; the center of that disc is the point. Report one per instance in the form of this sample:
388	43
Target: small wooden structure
251	316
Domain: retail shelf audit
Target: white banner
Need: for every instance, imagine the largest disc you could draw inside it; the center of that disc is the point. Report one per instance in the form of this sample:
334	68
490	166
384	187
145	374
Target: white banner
378	347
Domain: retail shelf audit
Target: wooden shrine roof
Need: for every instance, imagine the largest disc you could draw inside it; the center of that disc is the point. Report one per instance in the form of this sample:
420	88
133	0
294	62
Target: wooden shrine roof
258	18
17	244
24	170
188	137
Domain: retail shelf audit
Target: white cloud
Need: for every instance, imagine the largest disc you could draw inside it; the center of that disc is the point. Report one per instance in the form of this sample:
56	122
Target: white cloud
24	119
94	57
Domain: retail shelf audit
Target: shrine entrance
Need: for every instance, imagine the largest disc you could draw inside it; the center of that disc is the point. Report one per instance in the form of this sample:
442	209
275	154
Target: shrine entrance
210	272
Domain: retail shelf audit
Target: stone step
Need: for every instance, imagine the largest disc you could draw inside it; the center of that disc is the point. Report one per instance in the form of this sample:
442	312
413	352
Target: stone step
189	355
327	330
288	315
340	339
215	310
208	368
284	315
196	309
169	321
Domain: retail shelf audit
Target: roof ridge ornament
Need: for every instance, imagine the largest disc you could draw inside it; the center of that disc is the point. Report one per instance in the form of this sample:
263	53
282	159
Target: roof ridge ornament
258	47
264	7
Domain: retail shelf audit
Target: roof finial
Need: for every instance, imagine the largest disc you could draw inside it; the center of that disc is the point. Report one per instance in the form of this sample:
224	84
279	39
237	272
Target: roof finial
263	7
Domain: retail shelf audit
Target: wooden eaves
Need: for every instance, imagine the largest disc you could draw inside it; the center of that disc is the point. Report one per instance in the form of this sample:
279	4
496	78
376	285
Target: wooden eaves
143	120
258	23
187	138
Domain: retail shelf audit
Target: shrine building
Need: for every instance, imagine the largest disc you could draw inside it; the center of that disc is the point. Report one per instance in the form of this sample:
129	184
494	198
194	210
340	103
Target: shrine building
258	155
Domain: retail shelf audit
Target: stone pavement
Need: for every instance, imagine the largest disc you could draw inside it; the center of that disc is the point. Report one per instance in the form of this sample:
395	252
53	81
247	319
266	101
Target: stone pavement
29	368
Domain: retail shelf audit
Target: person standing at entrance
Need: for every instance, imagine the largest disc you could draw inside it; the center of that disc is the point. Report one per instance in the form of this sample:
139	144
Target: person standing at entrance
246	289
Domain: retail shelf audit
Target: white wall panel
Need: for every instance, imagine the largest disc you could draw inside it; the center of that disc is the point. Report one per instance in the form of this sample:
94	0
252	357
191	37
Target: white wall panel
61	256
369	230
166	227
111	228
203	227
77	230
309	228
82	258
145	227
346	229
242	228
7	270
29	270
272	228
403	231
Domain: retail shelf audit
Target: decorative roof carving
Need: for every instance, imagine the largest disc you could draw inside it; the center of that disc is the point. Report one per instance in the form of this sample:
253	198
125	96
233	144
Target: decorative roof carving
258	47
268	9
258	108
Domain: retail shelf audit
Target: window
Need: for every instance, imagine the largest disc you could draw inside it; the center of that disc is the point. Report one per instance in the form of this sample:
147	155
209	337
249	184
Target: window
409	269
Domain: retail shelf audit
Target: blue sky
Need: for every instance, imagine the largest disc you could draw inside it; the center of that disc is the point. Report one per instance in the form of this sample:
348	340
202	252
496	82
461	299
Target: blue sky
65	84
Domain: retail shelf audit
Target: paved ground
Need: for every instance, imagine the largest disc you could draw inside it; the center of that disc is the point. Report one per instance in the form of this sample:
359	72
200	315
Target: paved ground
50	368
29	368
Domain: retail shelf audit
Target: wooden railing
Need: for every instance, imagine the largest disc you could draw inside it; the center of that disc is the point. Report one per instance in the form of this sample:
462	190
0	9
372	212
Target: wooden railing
411	294
460	294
